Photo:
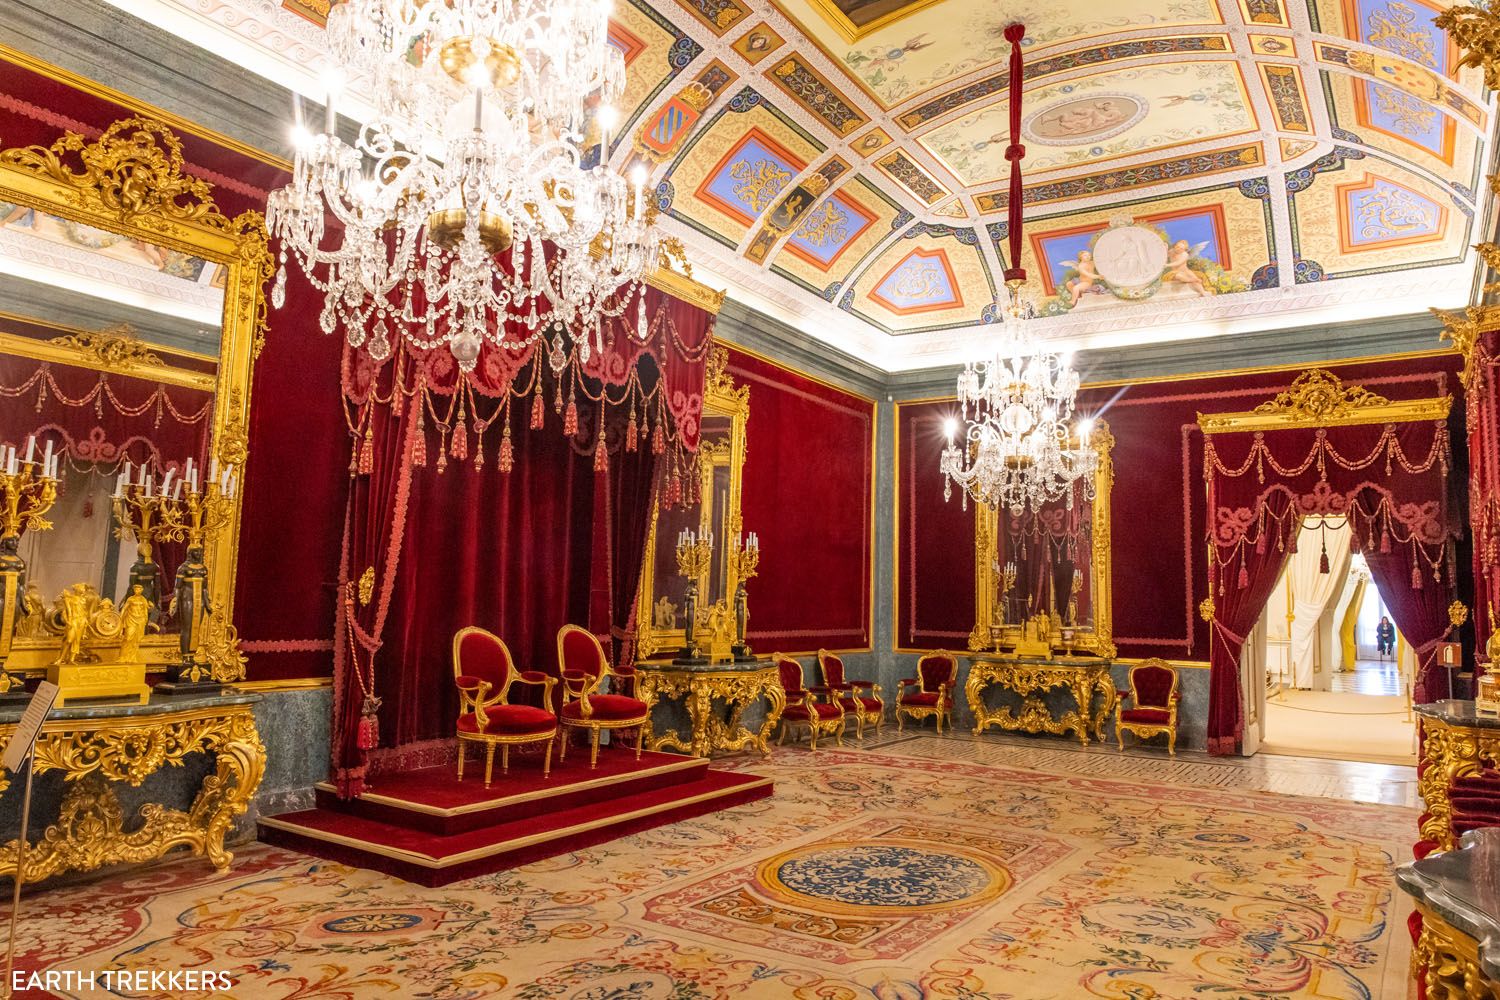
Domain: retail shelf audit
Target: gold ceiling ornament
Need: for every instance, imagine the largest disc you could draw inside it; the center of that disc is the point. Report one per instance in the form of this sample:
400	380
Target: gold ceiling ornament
112	348
1319	398
1476	31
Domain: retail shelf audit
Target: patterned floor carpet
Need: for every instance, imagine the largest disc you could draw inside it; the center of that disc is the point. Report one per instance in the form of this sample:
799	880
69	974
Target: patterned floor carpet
878	874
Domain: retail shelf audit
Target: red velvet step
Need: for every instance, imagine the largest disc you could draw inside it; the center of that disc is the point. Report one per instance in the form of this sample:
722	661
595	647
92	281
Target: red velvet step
434	800
433	859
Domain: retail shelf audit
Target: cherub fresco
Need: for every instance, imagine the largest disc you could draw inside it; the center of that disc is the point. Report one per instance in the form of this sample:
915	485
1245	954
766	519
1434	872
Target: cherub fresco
1178	269
1085	277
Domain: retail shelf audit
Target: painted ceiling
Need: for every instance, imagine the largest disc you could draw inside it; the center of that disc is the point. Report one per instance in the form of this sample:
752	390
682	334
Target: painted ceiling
1193	167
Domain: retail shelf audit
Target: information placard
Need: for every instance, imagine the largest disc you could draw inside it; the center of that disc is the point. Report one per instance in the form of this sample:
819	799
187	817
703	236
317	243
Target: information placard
29	726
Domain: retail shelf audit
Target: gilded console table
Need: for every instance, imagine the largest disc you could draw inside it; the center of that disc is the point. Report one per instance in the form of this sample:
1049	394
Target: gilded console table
1457	955
1456	742
737	685
95	745
1083	678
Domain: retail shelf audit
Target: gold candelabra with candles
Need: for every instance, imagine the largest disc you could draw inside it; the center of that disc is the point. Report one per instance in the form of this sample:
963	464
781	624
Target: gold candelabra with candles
694	556
1002	606
28	489
745	560
184	510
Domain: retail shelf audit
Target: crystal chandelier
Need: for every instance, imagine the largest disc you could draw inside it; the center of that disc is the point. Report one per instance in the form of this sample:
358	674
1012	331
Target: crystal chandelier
468	208
1017	450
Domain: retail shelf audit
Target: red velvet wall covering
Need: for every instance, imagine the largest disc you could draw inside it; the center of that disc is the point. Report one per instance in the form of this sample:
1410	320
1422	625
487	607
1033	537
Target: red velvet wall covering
807	491
1157	505
1483	412
293	507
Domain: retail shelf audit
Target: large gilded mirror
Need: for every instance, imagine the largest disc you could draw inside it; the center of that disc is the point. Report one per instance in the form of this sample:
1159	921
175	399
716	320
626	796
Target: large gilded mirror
130	309
1042	578
721	461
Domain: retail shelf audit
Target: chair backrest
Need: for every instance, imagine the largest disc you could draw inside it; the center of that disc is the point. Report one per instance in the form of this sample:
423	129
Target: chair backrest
788	672
482	654
937	668
1152	684
832	667
579	649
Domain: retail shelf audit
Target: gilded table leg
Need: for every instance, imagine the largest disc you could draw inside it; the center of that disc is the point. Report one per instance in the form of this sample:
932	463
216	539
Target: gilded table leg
700	705
777	698
645	686
1083	694
974	691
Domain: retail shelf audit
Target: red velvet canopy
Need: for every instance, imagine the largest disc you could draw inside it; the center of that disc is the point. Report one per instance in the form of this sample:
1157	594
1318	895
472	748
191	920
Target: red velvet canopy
1389	480
463	512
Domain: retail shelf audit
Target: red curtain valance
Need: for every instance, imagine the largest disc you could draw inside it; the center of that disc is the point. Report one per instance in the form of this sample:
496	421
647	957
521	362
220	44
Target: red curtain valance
1389	480
98	419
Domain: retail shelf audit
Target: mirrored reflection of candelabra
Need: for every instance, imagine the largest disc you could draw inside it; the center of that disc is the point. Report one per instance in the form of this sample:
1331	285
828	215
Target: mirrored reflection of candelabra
28	489
745	556
176	511
694	556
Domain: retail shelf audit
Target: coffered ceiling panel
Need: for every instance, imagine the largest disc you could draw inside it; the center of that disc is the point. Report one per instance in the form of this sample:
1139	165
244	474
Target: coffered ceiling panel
1192	166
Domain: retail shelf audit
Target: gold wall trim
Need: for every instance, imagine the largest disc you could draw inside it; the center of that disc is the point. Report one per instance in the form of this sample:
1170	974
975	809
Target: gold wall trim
1319	398
67	354
290	684
136	106
680	286
78	331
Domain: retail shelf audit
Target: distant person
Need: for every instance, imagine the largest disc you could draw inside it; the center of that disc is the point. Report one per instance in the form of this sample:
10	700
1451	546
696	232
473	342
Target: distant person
1385	637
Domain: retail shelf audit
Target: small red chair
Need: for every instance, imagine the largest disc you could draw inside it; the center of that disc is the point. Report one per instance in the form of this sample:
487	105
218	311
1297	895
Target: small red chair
484	672
930	693
859	699
803	709
584	669
1153	692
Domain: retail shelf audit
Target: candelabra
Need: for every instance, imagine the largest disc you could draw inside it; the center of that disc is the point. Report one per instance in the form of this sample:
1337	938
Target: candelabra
188	511
1002	606
27	492
694	556
745	558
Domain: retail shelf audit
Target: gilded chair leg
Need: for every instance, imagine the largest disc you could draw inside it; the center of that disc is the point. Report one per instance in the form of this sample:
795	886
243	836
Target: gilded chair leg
461	745
640	738
547	760
859	727
781	737
562	745
594	748
812	736
838	734
489	762
1120	738
505	759
1172	743
900	722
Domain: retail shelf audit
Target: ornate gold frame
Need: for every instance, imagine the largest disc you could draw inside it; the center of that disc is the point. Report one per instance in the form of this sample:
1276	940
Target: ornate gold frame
721	397
132	181
1319	398
1097	640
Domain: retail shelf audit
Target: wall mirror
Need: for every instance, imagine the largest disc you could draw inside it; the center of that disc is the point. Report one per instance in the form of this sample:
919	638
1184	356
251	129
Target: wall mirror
721	462
130	310
1042	579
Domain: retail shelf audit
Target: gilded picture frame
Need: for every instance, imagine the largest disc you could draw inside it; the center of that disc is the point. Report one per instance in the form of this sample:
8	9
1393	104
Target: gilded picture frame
132	181
1094	640
721	398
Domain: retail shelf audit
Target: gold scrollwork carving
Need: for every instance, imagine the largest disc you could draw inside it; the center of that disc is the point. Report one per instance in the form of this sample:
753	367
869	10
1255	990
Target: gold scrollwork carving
90	830
1319	398
218	657
1447	962
710	733
114	348
1450	752
1085	682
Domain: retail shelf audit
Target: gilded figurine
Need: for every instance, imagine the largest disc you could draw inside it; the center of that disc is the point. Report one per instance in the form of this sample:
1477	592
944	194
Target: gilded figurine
74	612
665	615
135	614
33	623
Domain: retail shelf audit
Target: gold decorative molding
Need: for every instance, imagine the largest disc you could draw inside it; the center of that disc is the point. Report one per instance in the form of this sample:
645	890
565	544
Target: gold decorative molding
114	348
1464	330
70	349
1476	31
681	286
1319	398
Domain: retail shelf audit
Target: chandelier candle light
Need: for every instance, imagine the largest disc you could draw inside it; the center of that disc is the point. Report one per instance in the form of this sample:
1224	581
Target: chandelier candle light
28	489
1017	450
467	212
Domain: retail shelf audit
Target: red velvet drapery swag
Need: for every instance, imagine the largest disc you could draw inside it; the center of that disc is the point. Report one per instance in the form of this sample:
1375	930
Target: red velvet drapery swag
1482	407
516	498
1390	481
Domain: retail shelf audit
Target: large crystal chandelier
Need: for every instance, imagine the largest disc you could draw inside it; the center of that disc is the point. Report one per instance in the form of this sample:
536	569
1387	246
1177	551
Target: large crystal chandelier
468	208
1018	449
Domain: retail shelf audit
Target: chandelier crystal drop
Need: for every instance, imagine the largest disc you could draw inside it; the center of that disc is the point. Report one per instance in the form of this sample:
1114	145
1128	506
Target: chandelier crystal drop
1017	449
468	208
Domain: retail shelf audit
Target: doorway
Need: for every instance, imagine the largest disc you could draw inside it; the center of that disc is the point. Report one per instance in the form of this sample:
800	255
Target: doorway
1336	682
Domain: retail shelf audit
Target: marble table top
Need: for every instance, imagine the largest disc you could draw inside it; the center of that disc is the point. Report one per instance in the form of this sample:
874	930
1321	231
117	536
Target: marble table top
160	704
1457	713
1050	661
715	667
1463	887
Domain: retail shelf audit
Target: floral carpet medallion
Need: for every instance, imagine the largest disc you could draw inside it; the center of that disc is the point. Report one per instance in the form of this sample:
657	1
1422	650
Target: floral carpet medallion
869	875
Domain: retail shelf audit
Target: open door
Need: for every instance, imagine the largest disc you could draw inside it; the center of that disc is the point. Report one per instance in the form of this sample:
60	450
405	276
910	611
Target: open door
1253	688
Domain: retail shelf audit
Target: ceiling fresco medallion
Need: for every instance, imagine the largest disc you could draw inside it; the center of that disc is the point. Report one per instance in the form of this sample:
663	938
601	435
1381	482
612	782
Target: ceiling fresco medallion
1076	120
1130	259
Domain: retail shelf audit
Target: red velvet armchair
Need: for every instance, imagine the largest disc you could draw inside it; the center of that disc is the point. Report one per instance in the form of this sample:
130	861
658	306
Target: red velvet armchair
585	669
860	700
930	693
483	672
803	709
1154	698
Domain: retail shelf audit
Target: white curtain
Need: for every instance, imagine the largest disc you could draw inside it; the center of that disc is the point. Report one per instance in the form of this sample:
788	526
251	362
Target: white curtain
1313	590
